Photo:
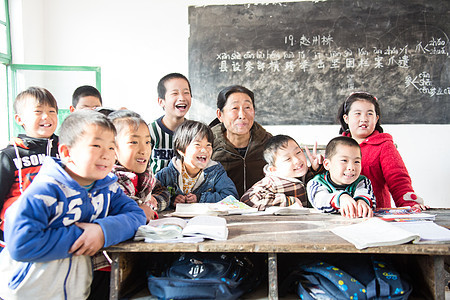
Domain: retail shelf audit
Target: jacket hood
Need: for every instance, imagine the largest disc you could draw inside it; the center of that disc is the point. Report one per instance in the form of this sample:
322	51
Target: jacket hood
26	142
54	168
177	164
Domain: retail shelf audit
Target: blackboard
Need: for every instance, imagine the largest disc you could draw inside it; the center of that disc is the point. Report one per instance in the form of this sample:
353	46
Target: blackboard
302	59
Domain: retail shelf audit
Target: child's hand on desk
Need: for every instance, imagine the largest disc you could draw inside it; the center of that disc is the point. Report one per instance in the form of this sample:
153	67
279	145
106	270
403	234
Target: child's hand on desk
413	197
315	159
179	199
363	209
154	202
90	241
149	212
347	206
421	206
191	198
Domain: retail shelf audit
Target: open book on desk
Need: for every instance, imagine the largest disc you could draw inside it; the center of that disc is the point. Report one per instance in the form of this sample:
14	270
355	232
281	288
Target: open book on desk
177	230
374	232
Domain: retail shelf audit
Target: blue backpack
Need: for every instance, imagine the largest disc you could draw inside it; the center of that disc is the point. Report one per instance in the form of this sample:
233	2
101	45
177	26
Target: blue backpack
206	276
362	279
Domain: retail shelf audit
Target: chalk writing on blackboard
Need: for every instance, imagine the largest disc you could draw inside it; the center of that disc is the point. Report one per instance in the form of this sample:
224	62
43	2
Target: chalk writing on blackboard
303	58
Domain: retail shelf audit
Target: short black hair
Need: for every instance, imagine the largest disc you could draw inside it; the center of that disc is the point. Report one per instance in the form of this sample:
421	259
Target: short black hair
273	144
330	150
41	95
85	91
226	92
162	84
187	132
74	126
123	117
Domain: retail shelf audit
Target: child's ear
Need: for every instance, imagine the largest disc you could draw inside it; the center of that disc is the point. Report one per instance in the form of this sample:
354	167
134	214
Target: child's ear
162	102
64	151
71	108
326	164
18	119
272	168
180	152
345	117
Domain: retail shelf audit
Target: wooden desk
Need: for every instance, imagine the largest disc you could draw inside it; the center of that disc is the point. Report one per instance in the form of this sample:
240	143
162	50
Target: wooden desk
310	233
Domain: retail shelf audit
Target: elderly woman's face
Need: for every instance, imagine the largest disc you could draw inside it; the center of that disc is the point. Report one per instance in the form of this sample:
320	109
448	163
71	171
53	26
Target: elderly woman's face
238	114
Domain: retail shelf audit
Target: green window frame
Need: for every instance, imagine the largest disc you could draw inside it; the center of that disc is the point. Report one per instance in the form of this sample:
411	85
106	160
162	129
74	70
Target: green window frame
5	34
15	86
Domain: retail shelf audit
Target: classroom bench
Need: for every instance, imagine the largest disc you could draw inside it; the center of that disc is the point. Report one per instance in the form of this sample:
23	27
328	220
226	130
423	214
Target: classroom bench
293	235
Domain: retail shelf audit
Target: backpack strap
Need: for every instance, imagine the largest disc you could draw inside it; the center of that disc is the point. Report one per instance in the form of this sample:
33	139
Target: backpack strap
331	277
388	280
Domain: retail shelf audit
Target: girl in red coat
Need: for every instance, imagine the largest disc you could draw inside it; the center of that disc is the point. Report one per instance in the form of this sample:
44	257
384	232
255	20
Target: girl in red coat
359	116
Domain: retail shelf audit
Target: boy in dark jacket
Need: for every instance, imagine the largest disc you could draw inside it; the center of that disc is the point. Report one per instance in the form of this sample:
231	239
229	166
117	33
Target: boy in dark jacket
36	111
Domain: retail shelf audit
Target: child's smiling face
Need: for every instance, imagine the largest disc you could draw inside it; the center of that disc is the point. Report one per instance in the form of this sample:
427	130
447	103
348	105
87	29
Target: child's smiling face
361	119
38	120
92	156
177	98
345	165
197	155
290	161
134	148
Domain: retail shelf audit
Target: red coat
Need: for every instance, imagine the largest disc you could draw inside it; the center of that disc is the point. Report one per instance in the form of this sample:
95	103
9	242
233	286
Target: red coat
383	165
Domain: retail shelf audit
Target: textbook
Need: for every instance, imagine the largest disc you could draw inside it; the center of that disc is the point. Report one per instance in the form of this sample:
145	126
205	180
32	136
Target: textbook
375	232
177	230
429	232
402	214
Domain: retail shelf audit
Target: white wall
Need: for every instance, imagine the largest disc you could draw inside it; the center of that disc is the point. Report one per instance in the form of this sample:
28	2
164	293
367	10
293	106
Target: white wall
137	42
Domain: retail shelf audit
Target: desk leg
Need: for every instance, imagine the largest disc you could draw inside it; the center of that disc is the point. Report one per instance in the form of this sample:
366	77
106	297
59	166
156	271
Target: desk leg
428	273
273	276
115	280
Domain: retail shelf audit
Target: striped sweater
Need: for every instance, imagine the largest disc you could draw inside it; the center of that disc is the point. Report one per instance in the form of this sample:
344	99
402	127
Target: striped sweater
322	191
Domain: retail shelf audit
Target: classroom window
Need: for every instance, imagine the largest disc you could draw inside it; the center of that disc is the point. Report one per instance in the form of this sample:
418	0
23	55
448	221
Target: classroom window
61	81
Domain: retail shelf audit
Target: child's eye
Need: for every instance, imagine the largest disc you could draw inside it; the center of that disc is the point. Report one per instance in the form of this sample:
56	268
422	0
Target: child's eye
357	162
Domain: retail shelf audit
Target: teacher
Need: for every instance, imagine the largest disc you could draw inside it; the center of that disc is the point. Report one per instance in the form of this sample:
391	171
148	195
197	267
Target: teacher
238	140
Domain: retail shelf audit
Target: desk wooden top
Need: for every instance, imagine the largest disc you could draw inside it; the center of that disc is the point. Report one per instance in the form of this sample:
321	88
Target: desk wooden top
289	234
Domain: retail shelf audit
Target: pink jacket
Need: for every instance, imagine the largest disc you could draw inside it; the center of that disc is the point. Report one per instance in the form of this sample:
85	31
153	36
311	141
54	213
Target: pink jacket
383	165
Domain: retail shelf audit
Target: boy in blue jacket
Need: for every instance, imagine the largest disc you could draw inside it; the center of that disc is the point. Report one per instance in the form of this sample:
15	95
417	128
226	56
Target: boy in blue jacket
72	209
